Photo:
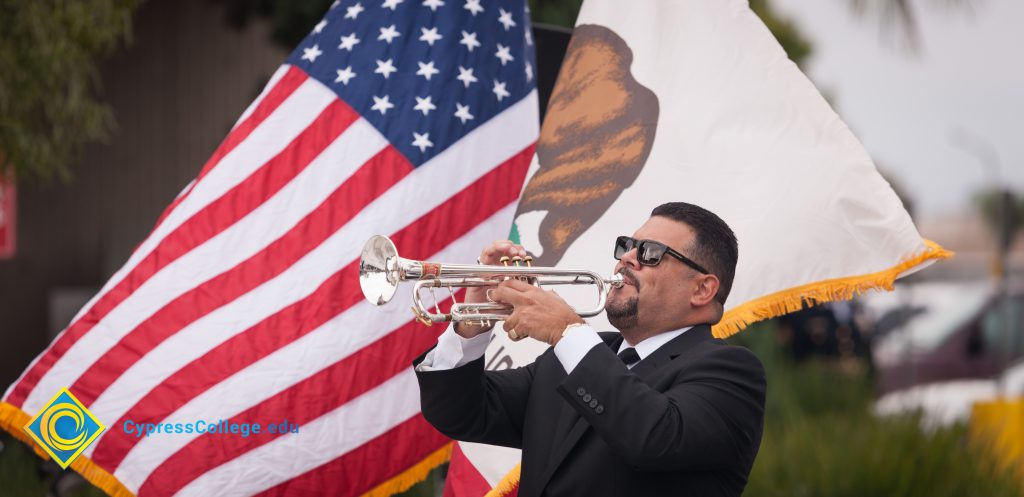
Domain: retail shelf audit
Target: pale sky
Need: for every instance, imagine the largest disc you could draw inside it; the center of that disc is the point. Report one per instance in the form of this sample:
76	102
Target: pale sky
968	74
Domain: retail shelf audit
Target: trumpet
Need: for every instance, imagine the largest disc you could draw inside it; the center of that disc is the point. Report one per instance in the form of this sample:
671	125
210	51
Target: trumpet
381	271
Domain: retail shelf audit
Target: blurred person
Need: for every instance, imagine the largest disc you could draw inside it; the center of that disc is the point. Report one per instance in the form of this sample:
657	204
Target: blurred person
660	408
826	330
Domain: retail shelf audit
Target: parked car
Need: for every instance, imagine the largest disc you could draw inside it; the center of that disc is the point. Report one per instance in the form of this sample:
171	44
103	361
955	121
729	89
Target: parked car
935	332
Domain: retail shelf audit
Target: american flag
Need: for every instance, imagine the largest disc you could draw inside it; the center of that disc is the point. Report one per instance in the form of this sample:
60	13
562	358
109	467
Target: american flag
416	119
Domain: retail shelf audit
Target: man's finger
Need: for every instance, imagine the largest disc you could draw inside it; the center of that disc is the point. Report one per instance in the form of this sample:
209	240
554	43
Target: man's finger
499	248
511	321
507	295
517	285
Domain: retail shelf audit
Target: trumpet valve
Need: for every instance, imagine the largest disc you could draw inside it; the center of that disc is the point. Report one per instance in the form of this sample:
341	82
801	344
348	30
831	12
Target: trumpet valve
528	260
516	260
504	260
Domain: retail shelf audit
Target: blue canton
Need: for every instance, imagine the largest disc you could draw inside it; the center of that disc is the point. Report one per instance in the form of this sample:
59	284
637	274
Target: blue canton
423	72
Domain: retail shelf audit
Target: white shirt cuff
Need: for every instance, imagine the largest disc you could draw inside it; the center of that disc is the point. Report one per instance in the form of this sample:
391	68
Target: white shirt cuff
575	344
453	351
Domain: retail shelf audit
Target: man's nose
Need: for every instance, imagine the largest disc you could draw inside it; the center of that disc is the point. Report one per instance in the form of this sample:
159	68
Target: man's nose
628	260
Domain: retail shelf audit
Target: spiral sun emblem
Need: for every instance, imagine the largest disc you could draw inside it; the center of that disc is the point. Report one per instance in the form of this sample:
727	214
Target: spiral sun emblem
54	414
64	428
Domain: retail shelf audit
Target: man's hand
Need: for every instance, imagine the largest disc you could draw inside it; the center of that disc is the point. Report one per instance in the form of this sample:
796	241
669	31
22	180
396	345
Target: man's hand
539	314
490	256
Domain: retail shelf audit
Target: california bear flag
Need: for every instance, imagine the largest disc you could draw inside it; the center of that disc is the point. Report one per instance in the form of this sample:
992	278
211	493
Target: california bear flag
695	101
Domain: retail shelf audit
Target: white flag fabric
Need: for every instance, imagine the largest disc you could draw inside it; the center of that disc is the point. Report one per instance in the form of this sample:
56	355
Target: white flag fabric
695	101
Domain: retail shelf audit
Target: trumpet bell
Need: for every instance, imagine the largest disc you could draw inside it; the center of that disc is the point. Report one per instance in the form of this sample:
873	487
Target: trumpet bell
379	272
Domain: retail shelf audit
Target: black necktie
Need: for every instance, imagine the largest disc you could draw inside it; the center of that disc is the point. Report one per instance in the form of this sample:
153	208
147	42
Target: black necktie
629	356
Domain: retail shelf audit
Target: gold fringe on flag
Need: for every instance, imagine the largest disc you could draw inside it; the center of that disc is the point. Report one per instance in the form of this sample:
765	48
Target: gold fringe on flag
13	420
507	484
793	299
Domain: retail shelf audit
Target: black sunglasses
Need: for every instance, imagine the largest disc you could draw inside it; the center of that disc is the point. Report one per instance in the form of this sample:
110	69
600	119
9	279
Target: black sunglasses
650	252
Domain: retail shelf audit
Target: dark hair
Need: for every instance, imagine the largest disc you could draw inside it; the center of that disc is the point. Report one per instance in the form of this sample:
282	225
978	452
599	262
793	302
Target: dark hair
715	244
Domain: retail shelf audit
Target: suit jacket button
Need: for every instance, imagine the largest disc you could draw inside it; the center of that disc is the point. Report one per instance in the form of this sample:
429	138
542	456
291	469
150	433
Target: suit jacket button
593	403
587	397
580	391
599	409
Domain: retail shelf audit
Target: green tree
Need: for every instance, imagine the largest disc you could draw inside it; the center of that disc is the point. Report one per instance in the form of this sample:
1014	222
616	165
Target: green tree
49	80
1003	212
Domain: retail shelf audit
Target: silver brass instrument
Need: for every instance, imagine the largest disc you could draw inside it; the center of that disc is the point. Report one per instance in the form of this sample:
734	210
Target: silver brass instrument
381	270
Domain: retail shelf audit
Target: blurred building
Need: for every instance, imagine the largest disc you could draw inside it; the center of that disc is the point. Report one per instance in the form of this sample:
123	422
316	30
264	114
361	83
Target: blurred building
175	93
975	245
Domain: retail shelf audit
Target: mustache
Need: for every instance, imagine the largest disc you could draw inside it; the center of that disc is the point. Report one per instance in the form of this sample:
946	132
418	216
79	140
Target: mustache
629	277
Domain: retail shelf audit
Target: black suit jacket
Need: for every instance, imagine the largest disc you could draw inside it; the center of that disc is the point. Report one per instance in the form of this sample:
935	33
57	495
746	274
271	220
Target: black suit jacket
686	420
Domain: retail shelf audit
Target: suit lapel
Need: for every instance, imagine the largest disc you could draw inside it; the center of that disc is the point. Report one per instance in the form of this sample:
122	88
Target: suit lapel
645	369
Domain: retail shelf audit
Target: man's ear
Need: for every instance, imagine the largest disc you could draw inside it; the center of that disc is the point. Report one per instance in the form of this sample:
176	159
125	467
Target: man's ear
705	291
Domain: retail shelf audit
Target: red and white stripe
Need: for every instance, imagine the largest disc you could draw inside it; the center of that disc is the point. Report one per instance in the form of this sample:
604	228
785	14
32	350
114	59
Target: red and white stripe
243	303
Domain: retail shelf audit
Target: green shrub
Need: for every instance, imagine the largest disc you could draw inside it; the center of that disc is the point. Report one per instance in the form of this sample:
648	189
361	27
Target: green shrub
821	439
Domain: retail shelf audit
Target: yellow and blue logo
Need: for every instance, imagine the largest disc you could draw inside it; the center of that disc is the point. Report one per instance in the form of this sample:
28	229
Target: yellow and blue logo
64	428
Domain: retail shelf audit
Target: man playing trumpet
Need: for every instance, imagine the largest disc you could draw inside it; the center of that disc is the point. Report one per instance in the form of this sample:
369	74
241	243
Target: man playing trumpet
660	408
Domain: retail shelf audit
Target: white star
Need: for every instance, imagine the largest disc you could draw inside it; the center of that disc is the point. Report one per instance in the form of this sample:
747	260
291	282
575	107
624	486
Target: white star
427	70
463	113
506	19
529	37
424	105
466	76
344	75
529	72
353	11
430	36
389	33
433	4
503	54
422	141
500	91
347	42
385	68
311	53
320	26
469	39
473	6
391	4
382	104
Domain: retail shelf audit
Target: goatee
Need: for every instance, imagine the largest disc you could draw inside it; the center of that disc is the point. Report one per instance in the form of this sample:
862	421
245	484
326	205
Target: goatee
623	316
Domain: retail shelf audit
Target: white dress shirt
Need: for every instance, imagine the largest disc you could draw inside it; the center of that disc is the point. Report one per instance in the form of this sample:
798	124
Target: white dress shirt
453	350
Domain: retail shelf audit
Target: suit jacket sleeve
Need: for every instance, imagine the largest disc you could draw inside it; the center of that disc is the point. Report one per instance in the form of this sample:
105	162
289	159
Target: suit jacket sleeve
707	419
469	404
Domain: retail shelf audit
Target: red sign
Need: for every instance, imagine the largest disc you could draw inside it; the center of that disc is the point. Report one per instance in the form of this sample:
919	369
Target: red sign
7	218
